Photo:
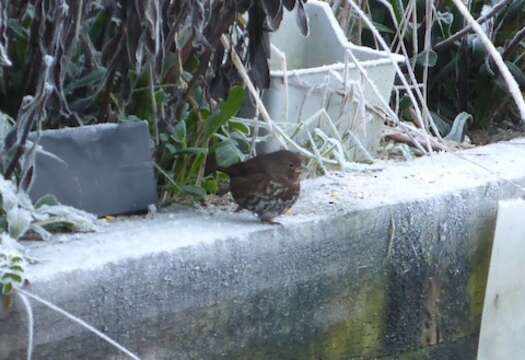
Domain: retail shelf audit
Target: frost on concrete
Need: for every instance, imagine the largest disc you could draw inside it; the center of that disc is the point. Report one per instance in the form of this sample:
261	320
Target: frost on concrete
366	264
396	182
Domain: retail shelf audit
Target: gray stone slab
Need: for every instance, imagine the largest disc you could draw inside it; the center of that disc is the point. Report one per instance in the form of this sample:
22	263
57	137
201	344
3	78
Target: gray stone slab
389	264
107	168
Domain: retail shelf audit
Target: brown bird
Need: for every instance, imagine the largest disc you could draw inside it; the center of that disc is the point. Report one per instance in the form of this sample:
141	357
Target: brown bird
267	184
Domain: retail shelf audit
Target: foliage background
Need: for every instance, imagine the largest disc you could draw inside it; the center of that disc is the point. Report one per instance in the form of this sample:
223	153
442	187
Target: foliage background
459	75
70	63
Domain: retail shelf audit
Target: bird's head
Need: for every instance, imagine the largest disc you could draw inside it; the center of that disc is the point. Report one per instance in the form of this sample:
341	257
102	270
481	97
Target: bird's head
287	164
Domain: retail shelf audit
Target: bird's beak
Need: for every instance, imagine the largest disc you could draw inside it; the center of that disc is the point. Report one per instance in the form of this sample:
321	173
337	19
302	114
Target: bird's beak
304	160
302	169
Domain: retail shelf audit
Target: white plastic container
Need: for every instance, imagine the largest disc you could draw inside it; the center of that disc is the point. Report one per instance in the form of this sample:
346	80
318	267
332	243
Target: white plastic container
318	59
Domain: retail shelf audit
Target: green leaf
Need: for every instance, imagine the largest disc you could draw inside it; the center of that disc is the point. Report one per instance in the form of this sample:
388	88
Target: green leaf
14	277
92	78
211	186
227	153
65	217
18	221
196	165
405	103
457	133
515	9
382	28
222	177
7	288
445	17
422	60
172	149
5	127
18	29
132	118
16	268
478	50
240	138
239	127
99	25
192	151
445	21
517	73
442	125
161	96
164	137
48	199
179	133
444	71
229	108
397	5
3	222
192	64
60	225
194	191
17	259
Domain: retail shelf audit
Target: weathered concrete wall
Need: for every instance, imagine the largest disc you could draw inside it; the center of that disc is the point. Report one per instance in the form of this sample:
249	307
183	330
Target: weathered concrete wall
388	265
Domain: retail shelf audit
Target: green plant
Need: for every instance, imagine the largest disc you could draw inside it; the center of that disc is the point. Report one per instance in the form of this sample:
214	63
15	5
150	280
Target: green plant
199	134
18	216
12	265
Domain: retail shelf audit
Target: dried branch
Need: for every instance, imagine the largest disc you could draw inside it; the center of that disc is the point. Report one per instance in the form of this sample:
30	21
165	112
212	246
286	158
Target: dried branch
514	43
469	29
4	59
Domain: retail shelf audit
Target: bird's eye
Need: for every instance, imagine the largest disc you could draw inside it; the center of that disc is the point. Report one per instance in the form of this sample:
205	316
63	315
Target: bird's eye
291	165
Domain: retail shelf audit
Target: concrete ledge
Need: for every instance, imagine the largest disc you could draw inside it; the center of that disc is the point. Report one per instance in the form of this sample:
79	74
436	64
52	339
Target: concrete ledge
388	264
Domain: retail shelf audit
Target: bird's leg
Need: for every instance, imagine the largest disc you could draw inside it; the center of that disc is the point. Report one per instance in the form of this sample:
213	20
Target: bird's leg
271	222
239	208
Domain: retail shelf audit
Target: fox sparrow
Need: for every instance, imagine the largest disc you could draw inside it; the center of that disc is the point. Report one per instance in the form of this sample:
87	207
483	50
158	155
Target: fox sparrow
267	184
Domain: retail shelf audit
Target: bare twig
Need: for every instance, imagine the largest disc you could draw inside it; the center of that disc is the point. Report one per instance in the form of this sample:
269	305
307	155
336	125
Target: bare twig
385	47
514	43
78	321
278	132
153	99
415	85
428	38
30	324
468	29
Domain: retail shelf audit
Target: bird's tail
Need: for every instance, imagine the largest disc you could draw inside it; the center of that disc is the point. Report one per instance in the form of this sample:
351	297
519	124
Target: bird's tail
211	165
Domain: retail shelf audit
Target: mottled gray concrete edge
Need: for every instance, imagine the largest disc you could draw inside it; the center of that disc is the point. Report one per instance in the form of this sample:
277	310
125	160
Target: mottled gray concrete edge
353	272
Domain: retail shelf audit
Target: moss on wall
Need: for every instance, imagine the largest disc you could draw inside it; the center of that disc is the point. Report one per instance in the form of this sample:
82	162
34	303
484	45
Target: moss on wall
477	280
361	334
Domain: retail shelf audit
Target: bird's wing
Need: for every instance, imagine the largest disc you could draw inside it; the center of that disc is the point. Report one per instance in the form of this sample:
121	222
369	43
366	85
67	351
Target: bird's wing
245	168
244	188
